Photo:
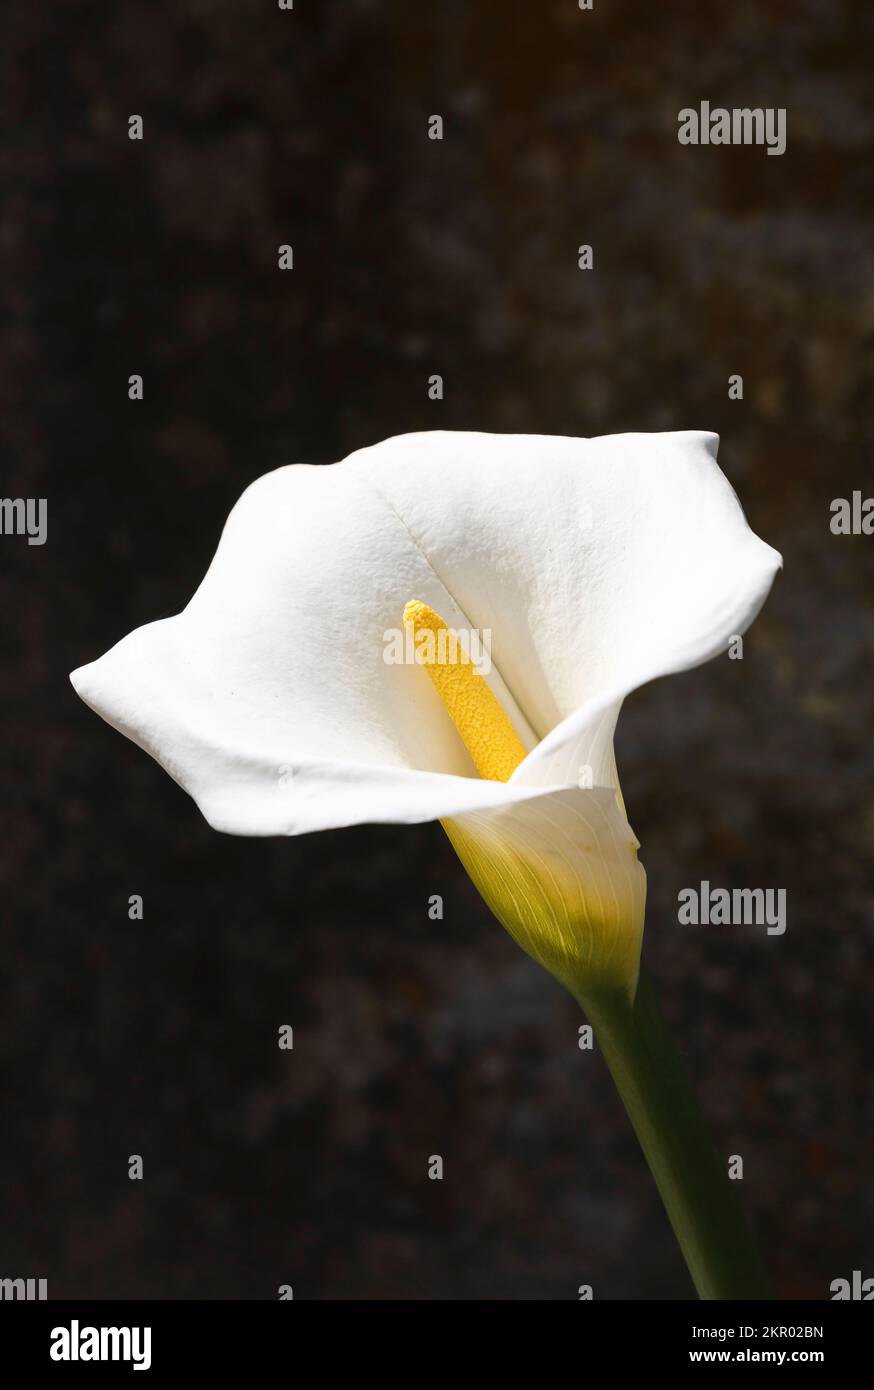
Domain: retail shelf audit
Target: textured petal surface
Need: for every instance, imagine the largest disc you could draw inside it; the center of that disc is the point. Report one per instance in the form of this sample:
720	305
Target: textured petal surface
594	564
597	565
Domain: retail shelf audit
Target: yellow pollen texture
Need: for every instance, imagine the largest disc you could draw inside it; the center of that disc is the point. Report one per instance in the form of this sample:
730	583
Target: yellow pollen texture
485	730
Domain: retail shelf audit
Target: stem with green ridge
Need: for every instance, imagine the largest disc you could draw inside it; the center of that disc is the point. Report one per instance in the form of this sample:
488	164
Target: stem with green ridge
699	1197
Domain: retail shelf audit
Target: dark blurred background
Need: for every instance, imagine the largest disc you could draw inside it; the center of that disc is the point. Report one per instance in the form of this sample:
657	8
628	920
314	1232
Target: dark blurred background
411	257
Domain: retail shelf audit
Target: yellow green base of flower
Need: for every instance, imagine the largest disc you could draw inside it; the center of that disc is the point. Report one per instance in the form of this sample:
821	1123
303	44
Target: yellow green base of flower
571	893
580	916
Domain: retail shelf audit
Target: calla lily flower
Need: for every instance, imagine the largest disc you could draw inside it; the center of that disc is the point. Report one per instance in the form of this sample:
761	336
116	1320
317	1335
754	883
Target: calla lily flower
584	568
595	565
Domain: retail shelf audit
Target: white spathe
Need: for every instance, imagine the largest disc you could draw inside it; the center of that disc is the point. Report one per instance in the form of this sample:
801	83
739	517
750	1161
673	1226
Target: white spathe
595	564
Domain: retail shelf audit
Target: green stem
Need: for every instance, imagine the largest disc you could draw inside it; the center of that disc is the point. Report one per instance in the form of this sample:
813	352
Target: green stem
699	1197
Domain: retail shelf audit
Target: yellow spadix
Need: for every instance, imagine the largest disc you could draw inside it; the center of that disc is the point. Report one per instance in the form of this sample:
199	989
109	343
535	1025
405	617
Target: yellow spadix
485	730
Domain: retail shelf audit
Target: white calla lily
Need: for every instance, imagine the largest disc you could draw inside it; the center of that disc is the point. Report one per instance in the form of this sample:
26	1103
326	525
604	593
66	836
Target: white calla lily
595	566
